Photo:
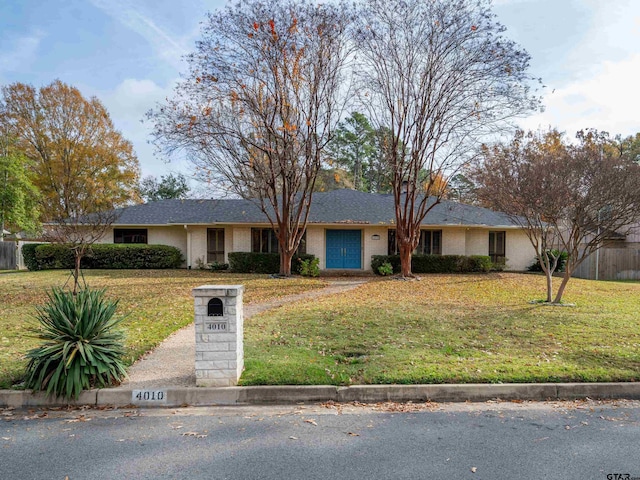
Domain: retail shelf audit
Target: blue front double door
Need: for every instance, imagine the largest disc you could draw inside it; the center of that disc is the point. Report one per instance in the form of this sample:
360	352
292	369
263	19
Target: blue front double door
344	249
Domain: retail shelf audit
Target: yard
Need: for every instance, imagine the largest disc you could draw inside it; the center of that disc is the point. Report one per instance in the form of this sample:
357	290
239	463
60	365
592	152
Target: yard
444	328
155	303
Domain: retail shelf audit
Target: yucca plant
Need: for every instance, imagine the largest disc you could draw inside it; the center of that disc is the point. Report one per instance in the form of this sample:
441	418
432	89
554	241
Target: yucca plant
81	346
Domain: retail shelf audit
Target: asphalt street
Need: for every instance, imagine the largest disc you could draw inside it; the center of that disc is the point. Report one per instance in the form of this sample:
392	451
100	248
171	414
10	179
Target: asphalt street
493	440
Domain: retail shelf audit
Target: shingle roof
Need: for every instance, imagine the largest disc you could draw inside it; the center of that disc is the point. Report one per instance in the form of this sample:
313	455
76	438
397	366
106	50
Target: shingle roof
334	207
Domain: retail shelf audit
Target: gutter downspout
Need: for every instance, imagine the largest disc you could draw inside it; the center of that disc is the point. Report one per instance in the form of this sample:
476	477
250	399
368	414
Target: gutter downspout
188	247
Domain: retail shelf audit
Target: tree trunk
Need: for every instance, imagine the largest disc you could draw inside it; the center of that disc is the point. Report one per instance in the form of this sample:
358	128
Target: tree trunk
76	271
285	263
405	261
549	275
563	284
2	212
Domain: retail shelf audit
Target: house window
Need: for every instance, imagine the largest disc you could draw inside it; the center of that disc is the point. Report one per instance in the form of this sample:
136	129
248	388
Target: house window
264	240
215	245
430	243
497	247
129	235
392	245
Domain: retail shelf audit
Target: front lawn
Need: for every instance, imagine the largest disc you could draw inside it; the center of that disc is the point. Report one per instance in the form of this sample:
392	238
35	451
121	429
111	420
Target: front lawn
450	328
155	302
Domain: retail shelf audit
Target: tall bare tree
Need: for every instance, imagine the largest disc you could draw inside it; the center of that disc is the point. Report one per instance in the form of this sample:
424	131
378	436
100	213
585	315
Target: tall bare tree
439	74
566	196
259	104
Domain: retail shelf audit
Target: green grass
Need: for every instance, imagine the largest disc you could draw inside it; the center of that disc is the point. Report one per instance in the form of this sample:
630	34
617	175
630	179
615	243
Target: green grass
155	303
442	329
450	329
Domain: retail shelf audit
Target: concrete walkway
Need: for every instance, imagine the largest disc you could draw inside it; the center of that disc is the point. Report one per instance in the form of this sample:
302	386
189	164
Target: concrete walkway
172	363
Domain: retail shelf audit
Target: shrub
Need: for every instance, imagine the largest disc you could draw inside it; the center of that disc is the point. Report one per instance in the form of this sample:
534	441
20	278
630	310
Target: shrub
29	255
477	263
536	267
104	256
378	260
309	267
434	263
51	256
133	256
217	267
385	269
81	347
253	262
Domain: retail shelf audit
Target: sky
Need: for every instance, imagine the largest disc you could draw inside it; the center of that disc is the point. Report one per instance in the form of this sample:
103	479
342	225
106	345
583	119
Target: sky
128	54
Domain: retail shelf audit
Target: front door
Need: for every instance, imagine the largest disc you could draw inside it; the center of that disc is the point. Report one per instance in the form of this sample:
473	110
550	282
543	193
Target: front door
344	249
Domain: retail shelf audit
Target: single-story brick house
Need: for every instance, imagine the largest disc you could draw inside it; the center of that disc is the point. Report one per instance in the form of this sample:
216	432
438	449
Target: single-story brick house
346	227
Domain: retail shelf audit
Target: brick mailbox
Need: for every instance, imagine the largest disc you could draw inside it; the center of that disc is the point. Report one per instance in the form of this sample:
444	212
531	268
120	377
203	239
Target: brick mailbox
219	332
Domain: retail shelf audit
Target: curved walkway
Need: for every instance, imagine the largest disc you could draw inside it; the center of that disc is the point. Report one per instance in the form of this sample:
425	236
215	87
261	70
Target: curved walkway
172	363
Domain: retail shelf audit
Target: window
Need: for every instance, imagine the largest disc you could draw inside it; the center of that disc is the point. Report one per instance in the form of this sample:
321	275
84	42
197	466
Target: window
129	235
264	240
497	247
215	245
392	245
430	243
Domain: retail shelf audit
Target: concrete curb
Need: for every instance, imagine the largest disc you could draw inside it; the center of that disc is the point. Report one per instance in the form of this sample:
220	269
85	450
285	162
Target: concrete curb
293	394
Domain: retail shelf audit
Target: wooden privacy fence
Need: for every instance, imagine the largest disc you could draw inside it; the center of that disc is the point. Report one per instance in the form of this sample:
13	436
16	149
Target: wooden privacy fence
8	255
613	264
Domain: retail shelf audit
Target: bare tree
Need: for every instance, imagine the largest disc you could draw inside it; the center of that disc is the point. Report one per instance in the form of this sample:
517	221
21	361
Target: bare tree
526	180
439	74
259	105
78	234
566	196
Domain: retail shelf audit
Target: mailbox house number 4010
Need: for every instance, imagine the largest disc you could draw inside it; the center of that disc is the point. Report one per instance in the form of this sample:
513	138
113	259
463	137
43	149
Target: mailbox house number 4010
217	326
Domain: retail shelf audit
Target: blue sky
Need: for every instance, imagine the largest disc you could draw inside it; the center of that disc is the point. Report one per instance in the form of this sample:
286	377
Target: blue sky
128	54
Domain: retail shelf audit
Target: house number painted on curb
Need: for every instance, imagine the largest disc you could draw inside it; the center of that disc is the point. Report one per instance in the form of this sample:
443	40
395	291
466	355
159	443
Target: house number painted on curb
159	396
217	326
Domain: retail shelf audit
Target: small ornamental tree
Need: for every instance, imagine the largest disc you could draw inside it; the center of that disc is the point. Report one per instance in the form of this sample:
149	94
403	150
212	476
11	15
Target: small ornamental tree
526	180
569	197
255	112
440	75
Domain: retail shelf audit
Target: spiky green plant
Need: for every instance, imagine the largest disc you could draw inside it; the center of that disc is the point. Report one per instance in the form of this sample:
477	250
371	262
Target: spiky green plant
81	347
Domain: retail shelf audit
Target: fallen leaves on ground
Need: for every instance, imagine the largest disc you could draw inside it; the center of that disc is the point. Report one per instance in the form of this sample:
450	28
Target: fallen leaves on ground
79	418
194	434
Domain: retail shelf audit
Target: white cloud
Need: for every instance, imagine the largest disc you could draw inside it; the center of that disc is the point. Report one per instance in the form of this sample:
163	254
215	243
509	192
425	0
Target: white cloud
133	97
606	100
19	52
166	47
127	105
